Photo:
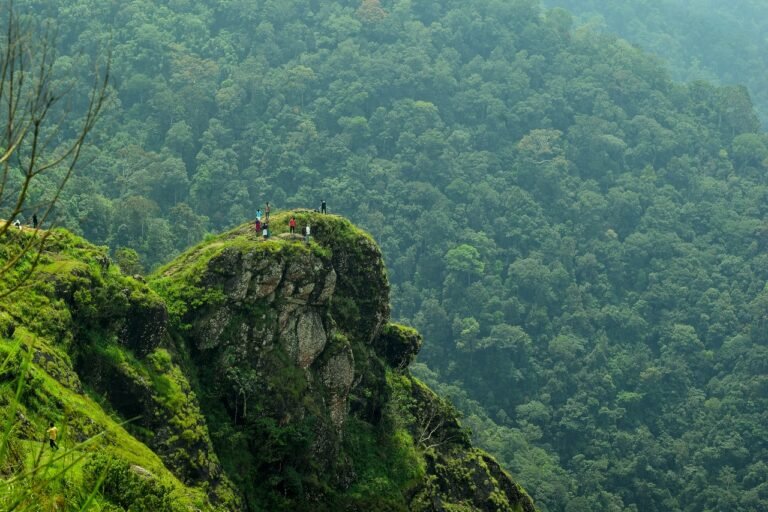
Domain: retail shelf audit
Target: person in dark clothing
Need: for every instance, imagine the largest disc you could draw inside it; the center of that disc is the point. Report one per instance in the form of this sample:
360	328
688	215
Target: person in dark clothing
265	230
257	226
322	206
34	220
292	225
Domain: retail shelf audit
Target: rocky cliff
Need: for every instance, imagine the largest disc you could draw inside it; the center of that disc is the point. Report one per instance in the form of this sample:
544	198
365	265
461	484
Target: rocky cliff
258	375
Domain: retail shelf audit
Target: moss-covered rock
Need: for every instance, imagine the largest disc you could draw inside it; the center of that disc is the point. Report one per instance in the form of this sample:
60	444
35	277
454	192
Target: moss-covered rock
256	375
292	350
397	345
89	340
468	479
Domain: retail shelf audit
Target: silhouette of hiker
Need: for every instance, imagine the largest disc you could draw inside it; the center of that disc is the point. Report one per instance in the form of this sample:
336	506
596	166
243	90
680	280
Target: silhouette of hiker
322	206
266	212
53	432
34	220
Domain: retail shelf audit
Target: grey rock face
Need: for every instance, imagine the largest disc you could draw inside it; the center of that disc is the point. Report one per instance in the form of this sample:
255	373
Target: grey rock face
303	338
337	375
274	303
211	329
311	336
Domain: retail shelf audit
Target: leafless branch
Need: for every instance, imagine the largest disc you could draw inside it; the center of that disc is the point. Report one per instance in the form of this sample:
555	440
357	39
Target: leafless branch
431	432
33	123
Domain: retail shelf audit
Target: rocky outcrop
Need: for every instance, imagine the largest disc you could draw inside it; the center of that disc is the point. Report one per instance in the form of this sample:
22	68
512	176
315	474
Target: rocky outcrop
270	317
397	345
470	478
290	342
265	375
144	327
90	350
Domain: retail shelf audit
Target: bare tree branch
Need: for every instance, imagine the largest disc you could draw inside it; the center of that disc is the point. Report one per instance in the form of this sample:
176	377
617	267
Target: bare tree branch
34	122
431	429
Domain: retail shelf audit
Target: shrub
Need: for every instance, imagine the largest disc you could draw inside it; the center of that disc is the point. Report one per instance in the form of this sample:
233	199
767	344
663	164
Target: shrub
126	488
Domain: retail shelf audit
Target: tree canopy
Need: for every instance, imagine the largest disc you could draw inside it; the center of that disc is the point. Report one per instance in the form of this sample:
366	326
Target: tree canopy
580	238
701	39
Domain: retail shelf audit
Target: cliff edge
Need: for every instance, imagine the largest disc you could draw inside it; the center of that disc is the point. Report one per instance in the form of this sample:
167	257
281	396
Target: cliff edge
259	374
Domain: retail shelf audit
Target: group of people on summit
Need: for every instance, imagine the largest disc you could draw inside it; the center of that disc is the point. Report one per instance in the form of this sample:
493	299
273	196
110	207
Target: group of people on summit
263	228
17	222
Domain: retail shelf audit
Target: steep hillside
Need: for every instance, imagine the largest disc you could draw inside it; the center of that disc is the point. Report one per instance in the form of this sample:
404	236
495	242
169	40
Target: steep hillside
79	340
262	375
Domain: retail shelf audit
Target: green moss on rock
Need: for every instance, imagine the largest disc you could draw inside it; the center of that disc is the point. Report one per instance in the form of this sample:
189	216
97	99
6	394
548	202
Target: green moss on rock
397	344
263	375
87	329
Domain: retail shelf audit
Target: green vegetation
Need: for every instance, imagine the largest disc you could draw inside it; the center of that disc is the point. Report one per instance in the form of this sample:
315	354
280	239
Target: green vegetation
580	239
72	320
127	489
701	39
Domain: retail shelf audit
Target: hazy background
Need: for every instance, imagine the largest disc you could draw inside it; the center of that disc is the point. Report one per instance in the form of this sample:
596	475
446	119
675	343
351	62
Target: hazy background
722	42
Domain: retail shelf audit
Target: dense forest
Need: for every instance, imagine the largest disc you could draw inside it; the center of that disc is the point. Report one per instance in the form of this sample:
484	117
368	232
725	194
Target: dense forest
580	238
701	39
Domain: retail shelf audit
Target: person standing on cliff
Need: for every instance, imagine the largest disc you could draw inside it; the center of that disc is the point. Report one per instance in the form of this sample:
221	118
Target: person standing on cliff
292	225
266	212
322	206
34	220
258	214
306	234
52	432
257	225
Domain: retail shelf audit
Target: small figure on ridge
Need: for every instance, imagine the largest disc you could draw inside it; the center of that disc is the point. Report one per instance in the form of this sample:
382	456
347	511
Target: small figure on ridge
292	225
53	432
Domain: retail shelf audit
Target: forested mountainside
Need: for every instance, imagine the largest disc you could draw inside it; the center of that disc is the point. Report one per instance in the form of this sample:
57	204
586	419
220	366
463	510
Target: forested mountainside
580	239
246	375
701	39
